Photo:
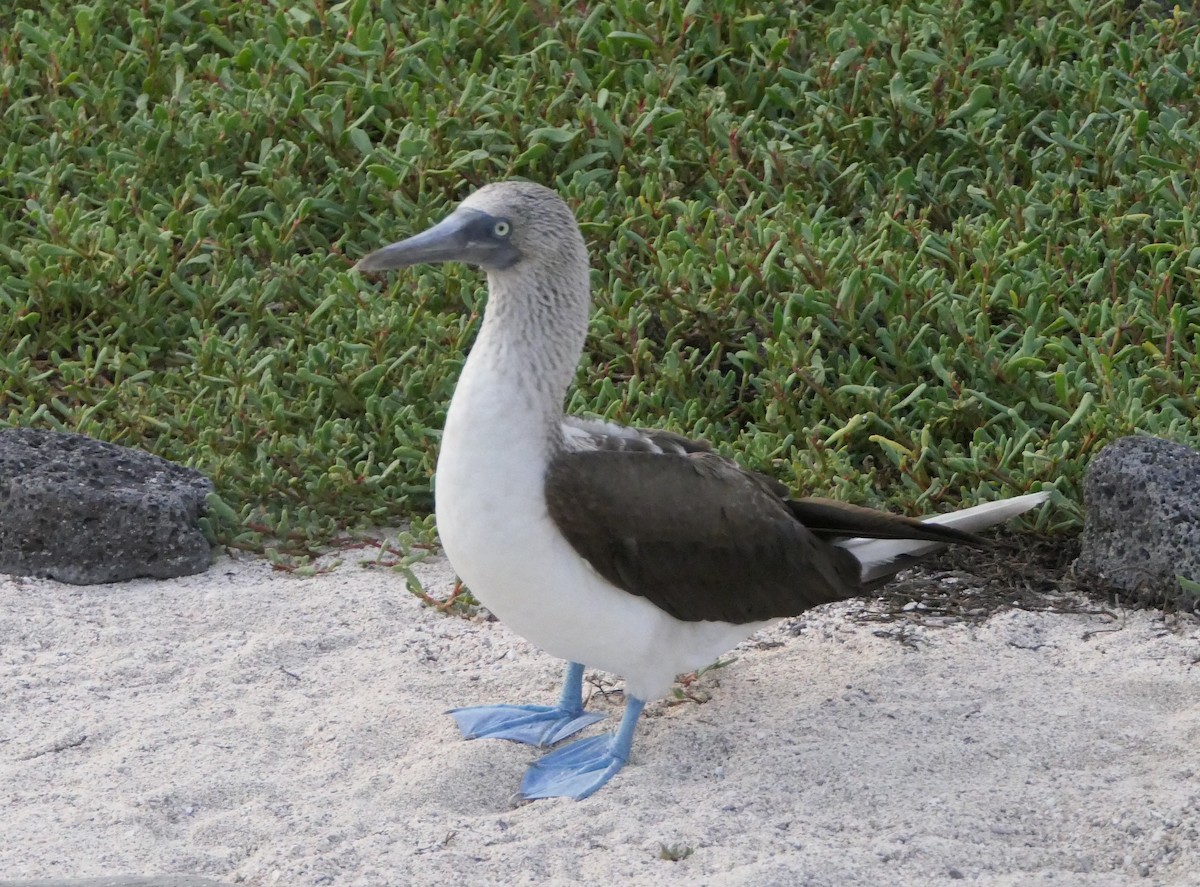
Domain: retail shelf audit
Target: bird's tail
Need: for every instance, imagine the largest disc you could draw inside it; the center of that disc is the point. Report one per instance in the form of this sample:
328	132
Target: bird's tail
881	558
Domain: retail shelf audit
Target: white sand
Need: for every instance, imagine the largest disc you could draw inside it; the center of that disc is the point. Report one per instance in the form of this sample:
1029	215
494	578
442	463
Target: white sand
261	728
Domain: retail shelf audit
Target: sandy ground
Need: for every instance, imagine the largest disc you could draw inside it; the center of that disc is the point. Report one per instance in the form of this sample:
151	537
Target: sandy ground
261	728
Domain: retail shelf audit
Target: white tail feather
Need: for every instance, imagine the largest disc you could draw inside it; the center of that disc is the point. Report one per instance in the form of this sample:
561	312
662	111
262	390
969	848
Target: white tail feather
878	555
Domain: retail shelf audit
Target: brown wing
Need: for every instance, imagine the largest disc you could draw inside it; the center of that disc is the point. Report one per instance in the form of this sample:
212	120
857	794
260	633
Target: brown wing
830	519
695	535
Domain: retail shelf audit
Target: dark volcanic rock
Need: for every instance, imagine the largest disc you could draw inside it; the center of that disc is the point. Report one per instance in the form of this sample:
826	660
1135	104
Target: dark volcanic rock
84	511
1142	522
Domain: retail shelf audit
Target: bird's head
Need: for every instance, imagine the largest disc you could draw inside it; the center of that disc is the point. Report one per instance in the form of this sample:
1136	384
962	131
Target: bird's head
497	228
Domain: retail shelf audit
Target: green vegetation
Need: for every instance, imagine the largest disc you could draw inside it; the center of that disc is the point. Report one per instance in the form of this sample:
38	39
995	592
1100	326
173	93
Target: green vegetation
917	256
674	852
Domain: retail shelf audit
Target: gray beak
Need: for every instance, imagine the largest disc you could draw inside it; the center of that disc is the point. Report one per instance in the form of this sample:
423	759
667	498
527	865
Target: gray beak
466	235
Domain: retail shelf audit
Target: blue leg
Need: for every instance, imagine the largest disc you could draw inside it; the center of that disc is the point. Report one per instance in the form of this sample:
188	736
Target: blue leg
539	725
578	769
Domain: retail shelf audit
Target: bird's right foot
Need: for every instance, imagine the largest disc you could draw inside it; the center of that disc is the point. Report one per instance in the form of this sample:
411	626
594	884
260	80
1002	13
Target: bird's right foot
540	725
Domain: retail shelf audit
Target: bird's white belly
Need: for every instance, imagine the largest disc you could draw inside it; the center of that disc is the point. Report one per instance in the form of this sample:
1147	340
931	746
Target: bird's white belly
500	539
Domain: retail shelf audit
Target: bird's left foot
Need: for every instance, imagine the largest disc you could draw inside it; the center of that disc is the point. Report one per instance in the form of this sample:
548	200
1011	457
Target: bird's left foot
579	769
573	771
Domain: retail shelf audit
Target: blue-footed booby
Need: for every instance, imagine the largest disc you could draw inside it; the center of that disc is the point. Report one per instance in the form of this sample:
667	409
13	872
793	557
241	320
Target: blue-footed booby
639	552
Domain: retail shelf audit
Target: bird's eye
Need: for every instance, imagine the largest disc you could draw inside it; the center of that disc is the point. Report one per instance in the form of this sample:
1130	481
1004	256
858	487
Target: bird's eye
502	228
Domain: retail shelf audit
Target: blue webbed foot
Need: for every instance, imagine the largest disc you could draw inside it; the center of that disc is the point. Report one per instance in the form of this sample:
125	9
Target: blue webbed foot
573	771
579	769
539	725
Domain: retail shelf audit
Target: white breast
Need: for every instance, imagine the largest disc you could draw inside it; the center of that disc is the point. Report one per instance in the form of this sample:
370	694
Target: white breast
500	539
